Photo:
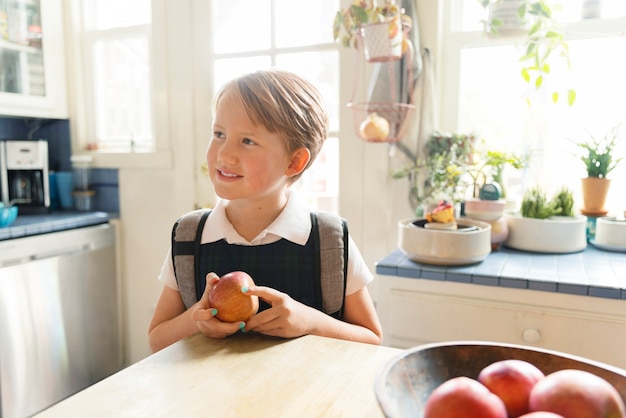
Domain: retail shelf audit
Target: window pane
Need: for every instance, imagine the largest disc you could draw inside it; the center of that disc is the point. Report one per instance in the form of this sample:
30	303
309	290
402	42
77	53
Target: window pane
231	17
491	103
293	29
322	69
122	93
116	13
320	181
227	69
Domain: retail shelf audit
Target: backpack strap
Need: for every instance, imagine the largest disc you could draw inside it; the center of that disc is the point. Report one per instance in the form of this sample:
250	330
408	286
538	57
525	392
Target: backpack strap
333	260
186	237
330	236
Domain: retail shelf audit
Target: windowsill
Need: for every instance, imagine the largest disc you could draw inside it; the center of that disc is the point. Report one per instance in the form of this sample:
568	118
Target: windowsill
159	159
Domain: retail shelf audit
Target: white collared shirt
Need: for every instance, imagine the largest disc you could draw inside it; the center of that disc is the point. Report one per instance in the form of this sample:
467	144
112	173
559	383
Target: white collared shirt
293	224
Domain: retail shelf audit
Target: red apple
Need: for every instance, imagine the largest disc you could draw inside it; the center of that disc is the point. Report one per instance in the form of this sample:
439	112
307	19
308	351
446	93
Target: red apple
541	414
231	303
512	380
577	394
463	397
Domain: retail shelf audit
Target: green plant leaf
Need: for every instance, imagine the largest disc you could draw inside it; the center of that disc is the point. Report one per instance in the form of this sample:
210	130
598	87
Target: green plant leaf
525	75
539	81
555	97
571	97
359	14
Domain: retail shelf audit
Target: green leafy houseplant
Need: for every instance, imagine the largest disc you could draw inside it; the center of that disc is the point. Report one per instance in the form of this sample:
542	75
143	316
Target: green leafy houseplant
348	21
490	168
535	204
447	161
544	39
598	154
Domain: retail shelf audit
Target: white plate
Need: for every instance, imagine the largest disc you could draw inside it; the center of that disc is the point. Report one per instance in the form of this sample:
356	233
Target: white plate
607	247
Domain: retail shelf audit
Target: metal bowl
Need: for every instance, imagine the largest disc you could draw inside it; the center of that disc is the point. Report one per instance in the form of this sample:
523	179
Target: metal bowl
404	384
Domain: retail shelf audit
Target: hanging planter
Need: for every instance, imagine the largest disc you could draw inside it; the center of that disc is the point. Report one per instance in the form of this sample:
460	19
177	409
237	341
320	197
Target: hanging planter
382	41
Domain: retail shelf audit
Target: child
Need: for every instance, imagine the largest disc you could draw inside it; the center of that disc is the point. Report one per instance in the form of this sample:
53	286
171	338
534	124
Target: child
269	126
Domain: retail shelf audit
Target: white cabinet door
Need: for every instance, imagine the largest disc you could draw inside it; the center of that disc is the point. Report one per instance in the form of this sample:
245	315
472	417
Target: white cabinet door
417	311
32	59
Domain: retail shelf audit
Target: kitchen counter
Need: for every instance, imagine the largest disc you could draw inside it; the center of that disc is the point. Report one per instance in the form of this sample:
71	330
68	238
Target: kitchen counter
592	272
29	225
242	375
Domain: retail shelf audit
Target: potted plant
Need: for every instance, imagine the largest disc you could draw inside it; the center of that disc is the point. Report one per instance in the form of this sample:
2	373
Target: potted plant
599	161
547	225
378	23
542	38
443	173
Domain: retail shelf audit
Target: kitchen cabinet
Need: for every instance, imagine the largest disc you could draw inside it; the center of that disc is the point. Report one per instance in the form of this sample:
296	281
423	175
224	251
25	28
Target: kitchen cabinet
418	311
32	61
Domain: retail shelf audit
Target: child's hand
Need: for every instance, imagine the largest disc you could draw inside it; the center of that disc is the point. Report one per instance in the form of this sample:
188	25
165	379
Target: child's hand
204	315
286	318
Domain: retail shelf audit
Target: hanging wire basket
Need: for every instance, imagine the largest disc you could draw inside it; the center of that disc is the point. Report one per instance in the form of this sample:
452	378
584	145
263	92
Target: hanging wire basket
396	114
382	41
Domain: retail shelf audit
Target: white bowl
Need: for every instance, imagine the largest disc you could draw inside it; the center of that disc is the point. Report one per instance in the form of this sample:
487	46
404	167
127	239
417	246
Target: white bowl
469	244
557	235
610	232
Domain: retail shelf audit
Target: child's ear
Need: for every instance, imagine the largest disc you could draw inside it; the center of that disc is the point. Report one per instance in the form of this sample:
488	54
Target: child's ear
299	160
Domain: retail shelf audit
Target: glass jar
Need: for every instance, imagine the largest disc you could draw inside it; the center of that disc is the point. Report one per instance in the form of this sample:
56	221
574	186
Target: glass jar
81	167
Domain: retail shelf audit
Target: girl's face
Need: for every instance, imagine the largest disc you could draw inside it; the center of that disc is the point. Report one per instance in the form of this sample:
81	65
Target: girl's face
245	160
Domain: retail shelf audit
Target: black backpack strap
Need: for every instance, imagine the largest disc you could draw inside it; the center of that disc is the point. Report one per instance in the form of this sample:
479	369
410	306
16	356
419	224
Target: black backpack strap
186	237
333	260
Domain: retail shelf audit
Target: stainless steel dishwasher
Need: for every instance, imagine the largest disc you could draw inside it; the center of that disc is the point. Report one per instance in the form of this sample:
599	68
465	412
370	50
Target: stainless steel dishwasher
59	319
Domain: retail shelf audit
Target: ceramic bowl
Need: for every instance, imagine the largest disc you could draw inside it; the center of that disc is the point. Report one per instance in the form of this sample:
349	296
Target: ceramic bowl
7	215
468	244
611	231
484	210
406	381
556	235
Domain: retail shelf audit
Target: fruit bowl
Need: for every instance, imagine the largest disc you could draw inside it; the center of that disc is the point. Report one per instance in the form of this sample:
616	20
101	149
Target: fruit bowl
468	244
406	381
7	215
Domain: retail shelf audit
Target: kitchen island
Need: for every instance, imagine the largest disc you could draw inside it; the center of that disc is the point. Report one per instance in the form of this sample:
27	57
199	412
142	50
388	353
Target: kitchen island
240	376
575	303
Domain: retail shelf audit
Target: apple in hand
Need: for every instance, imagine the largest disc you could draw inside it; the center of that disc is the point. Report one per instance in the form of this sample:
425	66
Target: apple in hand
577	394
463	397
231	303
512	380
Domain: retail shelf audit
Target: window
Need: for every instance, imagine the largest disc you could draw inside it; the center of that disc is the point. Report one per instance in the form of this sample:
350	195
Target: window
282	40
484	93
116	51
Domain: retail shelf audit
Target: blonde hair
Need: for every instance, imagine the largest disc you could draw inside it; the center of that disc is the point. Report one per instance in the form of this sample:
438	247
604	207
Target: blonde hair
284	103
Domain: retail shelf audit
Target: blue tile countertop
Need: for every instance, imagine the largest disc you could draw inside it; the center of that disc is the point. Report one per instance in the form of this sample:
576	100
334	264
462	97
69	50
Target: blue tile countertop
28	225
592	272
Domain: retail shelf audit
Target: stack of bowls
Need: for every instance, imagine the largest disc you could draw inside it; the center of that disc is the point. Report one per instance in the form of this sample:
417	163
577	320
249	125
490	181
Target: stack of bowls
489	211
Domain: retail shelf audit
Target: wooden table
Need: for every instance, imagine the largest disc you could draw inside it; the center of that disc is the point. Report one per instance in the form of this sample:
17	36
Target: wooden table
245	375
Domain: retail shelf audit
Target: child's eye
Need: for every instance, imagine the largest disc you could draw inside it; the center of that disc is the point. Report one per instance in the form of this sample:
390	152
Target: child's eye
248	141
218	135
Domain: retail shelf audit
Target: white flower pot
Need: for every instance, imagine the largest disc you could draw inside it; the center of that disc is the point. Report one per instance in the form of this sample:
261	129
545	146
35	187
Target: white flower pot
557	235
446	247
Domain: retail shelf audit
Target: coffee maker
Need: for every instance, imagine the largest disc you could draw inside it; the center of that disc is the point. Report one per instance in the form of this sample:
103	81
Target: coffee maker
24	179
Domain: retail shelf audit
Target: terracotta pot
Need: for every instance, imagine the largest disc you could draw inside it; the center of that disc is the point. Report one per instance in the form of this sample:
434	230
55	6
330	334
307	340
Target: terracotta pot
594	193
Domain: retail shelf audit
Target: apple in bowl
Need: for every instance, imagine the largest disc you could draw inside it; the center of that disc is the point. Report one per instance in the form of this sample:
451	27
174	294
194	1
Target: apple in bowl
231	303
